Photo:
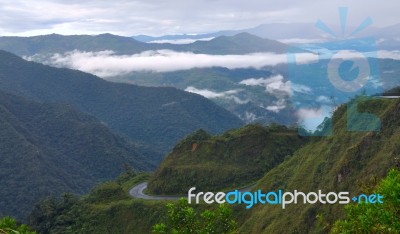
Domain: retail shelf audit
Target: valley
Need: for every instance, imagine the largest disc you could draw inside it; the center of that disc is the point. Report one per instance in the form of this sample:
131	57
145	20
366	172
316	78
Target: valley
199	117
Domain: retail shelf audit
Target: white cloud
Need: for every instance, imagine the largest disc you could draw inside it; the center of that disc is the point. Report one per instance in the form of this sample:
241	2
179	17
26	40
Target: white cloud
349	54
301	41
279	88
181	41
277	106
389	54
249	117
107	63
323	99
276	85
275	109
311	118
305	113
206	93
300	88
259	81
230	94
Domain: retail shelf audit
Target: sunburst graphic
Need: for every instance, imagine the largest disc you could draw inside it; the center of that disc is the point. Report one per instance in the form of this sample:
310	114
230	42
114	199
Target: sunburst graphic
343	12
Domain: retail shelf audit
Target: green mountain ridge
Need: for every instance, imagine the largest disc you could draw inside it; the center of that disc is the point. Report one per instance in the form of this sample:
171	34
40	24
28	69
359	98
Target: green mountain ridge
51	148
156	117
233	159
55	43
242	43
345	161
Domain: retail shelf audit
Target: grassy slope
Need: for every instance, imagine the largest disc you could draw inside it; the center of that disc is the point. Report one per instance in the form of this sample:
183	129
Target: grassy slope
236	158
343	162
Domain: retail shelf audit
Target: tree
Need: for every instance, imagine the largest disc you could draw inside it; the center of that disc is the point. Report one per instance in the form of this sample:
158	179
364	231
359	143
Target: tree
52	213
8	225
183	219
375	218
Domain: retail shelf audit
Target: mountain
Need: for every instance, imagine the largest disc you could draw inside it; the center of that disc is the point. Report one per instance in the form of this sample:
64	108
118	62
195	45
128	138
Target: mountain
295	34
54	43
251	103
254	106
242	43
346	161
52	148
157	117
152	39
285	32
274	31
231	160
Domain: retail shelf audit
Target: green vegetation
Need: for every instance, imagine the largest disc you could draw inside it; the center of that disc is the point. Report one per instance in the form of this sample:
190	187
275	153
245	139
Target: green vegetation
8	225
345	161
106	209
233	159
154	117
109	209
183	219
51	148
375	218
392	92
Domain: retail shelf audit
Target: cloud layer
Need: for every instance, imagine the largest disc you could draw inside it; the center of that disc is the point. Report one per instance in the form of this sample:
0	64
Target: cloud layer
182	41
106	63
230	94
277	86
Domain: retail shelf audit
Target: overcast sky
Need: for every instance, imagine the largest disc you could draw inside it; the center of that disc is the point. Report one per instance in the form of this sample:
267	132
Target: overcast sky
158	17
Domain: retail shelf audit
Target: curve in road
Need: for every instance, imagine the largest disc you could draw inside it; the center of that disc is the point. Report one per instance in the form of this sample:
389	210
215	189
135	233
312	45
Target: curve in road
138	192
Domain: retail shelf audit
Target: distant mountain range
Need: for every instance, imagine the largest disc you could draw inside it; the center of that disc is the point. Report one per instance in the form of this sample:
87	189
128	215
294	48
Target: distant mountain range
272	31
295	33
242	43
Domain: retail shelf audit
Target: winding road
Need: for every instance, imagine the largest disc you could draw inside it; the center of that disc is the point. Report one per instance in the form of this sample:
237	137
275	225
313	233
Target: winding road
138	192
